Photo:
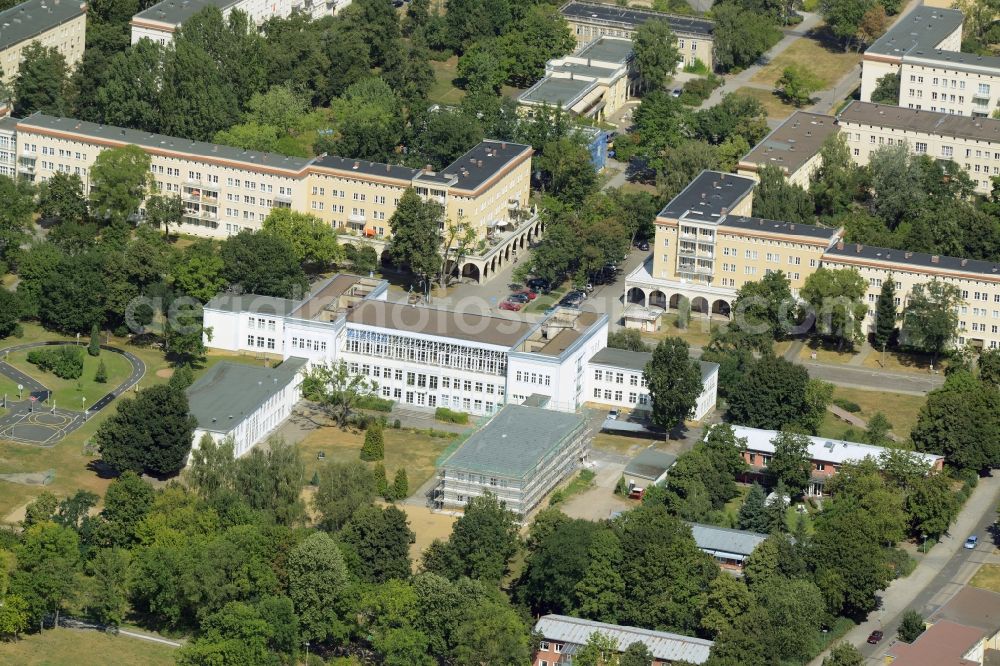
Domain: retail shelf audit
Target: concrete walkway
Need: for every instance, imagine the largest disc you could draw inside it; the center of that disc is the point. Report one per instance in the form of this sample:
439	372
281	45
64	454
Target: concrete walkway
941	573
744	78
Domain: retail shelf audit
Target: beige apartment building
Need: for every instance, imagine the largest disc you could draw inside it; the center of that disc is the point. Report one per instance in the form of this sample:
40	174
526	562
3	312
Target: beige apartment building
708	245
793	146
973	143
590	21
60	24
925	50
226	190
978	281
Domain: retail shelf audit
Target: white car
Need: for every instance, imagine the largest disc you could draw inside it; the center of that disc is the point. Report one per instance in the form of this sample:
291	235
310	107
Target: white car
613	415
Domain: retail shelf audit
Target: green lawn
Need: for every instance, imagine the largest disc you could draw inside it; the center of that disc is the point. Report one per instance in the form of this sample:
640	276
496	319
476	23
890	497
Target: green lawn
67	392
902	410
444	91
58	647
774	106
698	332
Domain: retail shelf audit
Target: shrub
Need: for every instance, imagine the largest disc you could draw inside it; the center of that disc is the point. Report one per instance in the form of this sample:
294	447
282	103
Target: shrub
374	446
314	481
374	403
396	425
400	484
697	67
450	416
621	488
847	405
901	562
697	91
18	331
65	361
101	376
911	627
94	348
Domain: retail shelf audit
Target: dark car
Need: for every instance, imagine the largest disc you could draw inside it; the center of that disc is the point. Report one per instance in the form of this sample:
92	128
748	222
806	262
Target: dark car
518	298
644	246
538	284
875	637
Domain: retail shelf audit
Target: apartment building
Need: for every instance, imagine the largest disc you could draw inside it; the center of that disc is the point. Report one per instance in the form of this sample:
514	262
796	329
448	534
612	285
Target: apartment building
594	82
793	147
418	356
827	456
588	21
58	24
159	22
925	50
972	143
562	636
226	190
615	378
519	455
977	281
8	146
707	245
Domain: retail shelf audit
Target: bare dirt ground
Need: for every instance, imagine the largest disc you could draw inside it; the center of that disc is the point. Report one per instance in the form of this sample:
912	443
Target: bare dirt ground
600	501
428	526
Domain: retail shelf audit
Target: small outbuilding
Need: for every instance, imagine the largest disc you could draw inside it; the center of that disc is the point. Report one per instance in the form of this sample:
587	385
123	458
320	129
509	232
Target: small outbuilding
729	547
649	468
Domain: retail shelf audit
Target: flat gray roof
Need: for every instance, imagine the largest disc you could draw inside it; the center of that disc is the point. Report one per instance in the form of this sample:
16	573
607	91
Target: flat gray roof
905	258
630	18
366	167
775	226
253	303
607	49
708	195
662	645
650	464
921	121
584	70
637	360
120	135
792	143
229	392
34	17
514	441
468	326
918	35
723	540
175	12
483	161
9	123
551	90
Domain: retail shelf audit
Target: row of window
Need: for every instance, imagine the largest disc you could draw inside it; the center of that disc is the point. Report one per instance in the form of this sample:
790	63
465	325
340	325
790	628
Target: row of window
422	380
260	342
619	377
309	344
260	322
633	397
533	378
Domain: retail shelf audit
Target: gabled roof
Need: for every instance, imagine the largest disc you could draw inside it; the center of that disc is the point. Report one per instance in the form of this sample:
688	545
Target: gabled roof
663	645
942	644
834	451
724	541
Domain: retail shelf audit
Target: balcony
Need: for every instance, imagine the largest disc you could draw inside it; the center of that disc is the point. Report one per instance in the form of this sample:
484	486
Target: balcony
357	218
283	197
694	269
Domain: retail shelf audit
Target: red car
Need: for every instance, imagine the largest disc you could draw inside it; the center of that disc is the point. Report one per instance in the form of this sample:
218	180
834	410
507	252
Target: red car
875	637
527	292
509	305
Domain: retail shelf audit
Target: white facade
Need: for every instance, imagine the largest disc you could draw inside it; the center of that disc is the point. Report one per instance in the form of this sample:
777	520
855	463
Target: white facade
162	20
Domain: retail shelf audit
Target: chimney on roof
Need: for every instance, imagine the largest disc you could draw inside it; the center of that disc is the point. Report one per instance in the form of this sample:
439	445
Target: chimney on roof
791	226
503	145
388	168
965	261
907	255
428	168
479	163
724	211
935	259
840	245
356	165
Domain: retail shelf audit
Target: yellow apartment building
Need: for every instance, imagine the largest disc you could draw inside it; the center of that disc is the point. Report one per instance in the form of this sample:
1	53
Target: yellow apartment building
793	147
590	20
708	245
226	190
61	24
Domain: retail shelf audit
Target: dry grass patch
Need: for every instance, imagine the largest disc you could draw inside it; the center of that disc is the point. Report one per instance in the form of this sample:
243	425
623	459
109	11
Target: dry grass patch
829	65
987	578
621	445
58	647
900	362
902	410
428	526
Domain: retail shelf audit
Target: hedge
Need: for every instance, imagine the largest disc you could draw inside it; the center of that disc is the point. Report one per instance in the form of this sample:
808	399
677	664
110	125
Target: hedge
65	361
450	416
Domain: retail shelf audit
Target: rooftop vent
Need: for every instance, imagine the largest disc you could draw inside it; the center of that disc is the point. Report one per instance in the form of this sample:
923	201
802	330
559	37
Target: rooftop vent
935	259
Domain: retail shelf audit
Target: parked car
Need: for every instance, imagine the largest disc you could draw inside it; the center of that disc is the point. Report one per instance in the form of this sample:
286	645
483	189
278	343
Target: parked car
972	542
613	414
527	292
518	298
676	92
538	284
643	246
875	637
508	305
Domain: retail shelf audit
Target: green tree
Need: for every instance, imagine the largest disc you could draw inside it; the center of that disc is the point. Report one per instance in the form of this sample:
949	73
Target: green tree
119	181
752	515
47	560
959	421
379	543
600	650
886	90
931	316
557	562
42	82
317	585
791	464
897	190
374	446
416	236
337	390
15	215
599	593
481	545
61	198
198	271
151	432
109	597
837	180
72	296
656	54
363	258
728	598
878	430
885	314
14	615
343	489
127	502
10	312
741	36
760	314
270	480
40	510
636	654
777	199
128	94
798	83
400	484
567	170
931	506
834	298
446	135
911	627
262	263
771	394
674	382
313	241
844	654
196	101
184	334
94	347
627	338
845	16
989	367
164	211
